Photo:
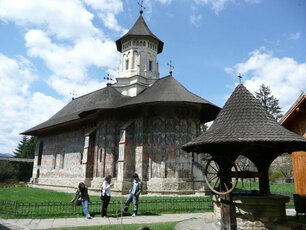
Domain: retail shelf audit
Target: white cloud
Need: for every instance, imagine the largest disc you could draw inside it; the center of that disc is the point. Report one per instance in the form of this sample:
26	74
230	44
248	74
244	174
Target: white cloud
295	36
195	19
62	34
66	19
113	6
79	44
111	22
285	76
20	108
219	5
165	1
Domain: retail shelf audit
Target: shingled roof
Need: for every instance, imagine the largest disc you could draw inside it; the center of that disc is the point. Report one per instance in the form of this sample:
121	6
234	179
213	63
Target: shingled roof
168	89
244	123
164	90
105	98
140	29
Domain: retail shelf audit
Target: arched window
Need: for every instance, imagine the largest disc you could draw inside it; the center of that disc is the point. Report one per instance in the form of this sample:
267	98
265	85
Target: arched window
127	64
40	152
63	159
150	65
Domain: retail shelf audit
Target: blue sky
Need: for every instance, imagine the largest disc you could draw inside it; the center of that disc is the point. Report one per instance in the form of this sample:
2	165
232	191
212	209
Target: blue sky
50	48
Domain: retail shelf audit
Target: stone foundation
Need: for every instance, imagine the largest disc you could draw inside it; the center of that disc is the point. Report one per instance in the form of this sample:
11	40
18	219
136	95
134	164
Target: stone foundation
256	212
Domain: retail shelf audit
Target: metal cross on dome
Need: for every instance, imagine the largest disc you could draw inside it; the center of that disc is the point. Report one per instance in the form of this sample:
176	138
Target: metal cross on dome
141	6
240	77
109	79
171	67
73	95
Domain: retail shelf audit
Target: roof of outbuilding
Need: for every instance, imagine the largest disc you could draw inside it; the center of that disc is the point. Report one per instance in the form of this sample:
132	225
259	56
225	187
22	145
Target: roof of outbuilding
140	28
164	90
244	122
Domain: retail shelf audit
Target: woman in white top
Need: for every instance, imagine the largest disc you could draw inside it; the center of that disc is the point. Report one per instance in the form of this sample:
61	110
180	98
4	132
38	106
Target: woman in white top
106	194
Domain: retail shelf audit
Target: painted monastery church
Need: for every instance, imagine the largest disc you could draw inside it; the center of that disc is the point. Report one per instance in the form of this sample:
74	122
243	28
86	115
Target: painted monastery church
138	124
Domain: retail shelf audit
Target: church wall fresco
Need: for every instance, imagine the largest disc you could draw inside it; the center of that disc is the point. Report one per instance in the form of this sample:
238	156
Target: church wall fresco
152	149
61	157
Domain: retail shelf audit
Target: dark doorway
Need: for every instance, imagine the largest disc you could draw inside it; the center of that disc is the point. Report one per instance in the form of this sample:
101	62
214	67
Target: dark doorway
40	152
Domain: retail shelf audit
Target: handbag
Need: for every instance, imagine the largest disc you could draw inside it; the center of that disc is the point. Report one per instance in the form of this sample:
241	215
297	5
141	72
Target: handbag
79	201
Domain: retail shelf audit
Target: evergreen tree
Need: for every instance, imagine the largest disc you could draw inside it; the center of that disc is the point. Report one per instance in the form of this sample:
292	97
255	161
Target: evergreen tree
26	147
20	147
203	128
269	102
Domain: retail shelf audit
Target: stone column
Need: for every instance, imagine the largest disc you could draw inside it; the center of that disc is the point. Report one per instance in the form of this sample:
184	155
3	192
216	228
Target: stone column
121	170
139	150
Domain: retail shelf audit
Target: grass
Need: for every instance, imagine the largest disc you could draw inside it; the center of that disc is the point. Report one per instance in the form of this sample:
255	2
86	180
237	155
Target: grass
277	188
162	226
301	220
147	205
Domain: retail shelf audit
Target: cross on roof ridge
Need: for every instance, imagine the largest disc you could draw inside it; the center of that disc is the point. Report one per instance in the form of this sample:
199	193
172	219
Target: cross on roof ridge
141	7
170	67
240	77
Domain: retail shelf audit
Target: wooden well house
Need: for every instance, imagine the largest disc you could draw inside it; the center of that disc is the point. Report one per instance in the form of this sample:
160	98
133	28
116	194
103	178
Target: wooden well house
243	127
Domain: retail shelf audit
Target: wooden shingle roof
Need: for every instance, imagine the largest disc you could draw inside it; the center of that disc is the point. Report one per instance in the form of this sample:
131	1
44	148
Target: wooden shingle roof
164	90
244	123
140	29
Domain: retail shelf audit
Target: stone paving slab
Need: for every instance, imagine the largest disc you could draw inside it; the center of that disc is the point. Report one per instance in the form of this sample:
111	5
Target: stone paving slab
27	224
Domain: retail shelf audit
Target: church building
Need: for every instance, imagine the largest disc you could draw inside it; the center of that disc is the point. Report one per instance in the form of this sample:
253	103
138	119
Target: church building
137	124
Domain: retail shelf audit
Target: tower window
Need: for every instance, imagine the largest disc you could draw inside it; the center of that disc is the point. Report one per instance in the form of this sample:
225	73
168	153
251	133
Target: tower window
150	65
127	64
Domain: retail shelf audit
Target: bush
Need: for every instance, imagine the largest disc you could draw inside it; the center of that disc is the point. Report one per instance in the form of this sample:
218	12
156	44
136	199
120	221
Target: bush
7	171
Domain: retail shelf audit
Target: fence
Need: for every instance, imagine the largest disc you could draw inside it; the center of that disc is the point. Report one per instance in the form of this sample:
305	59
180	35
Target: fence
146	206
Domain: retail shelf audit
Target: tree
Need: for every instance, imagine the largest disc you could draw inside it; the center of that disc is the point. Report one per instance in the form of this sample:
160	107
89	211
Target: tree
7	171
269	102
20	147
203	128
26	147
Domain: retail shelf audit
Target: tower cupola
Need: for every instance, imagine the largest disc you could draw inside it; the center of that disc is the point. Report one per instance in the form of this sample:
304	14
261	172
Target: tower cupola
139	66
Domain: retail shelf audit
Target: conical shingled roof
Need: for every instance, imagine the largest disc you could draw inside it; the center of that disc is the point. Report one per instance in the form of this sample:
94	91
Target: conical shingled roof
140	28
244	123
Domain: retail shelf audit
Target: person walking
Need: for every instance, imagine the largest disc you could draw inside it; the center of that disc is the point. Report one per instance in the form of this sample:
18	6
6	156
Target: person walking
134	194
82	197
106	194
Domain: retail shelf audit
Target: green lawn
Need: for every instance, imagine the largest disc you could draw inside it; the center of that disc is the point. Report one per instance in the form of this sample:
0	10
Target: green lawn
162	226
147	205
301	220
277	188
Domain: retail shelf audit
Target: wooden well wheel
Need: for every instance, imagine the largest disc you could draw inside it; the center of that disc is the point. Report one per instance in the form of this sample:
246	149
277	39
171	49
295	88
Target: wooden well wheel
221	177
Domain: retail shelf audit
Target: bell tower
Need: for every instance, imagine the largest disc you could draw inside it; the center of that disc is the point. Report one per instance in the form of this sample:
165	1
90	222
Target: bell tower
138	66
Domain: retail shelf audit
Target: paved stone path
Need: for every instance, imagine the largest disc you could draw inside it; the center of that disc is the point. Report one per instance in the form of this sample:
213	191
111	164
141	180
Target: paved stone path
23	224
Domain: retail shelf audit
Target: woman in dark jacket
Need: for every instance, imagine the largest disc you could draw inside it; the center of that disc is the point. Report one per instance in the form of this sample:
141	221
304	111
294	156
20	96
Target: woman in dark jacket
82	195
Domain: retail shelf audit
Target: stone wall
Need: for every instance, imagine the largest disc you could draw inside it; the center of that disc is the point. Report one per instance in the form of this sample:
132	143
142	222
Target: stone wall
256	212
